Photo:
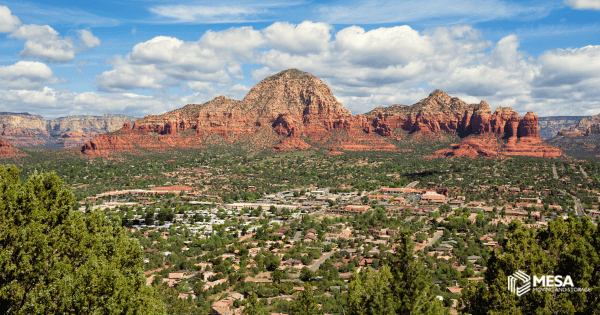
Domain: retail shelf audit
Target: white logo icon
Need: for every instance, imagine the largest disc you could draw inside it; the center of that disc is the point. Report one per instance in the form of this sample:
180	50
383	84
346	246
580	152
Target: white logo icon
512	283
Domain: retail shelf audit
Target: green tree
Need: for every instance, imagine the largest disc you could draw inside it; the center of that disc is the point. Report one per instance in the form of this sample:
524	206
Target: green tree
277	275
403	288
253	307
411	284
568	247
369	292
306	304
57	261
306	274
420	237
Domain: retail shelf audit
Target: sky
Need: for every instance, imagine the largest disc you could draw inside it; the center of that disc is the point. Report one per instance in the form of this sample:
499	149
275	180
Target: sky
60	58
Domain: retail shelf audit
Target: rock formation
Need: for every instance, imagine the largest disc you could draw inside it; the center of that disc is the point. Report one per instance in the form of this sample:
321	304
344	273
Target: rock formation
486	147
586	126
550	126
522	135
582	139
25	130
7	151
294	110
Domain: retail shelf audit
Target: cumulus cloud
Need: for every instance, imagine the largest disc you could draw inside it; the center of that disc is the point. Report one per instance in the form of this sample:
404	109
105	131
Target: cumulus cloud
366	69
52	103
167	61
44	43
26	75
584	4
304	38
88	39
8	22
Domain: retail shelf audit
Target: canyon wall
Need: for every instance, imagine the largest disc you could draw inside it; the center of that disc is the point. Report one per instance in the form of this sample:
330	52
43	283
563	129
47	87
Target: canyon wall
25	130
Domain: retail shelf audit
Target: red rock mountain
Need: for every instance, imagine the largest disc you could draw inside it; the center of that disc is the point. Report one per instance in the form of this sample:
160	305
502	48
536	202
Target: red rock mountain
7	151
294	110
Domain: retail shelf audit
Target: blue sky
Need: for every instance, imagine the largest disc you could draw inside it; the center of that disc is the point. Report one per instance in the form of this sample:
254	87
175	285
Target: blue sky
147	57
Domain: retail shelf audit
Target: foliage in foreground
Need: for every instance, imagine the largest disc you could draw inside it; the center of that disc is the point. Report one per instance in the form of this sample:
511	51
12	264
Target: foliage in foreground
57	261
570	247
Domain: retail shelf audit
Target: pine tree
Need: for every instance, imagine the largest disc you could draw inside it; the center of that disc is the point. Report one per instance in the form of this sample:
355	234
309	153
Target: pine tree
306	304
403	288
57	261
411	283
253	307
369	292
565	248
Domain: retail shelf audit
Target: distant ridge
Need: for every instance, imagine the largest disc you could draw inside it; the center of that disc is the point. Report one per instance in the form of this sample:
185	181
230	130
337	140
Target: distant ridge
550	125
294	110
27	130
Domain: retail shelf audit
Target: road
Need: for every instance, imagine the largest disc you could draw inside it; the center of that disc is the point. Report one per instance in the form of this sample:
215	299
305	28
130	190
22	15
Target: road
411	185
583	171
316	265
296	237
554	171
436	236
578	206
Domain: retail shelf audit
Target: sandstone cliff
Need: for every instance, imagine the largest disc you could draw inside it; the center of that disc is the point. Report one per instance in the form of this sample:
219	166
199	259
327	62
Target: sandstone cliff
294	110
7	151
25	130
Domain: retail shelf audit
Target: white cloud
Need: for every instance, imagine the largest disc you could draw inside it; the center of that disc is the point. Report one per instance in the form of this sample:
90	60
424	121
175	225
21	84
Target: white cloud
236	42
569	66
126	76
8	22
584	4
205	14
304	38
424	11
44	43
167	61
88	39
26	75
366	69
52	103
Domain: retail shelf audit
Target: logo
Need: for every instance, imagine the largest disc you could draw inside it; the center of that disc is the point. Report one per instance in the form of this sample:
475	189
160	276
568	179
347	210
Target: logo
546	283
512	283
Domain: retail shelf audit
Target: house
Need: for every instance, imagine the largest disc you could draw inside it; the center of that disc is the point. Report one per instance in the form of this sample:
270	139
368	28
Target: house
176	275
454	290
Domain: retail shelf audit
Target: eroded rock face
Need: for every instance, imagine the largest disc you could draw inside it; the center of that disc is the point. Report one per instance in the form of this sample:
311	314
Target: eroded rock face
294	110
487	147
586	126
25	130
7	151
550	126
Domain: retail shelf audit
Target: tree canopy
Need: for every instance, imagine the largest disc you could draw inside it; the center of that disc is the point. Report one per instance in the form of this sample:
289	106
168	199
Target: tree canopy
54	260
568	247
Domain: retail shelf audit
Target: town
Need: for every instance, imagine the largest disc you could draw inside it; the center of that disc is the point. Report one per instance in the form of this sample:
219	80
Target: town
213	251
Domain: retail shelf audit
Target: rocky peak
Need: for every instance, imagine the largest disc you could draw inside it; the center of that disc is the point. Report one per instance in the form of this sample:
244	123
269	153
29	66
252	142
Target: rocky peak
295	93
293	74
